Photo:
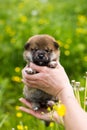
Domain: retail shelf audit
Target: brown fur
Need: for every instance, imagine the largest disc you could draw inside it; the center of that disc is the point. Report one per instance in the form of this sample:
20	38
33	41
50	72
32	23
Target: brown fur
42	50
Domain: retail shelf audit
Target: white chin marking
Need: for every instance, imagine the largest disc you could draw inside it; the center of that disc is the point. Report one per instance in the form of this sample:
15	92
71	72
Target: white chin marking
40	63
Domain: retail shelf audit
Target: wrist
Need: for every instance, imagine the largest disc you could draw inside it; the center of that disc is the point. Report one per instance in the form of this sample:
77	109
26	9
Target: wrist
66	93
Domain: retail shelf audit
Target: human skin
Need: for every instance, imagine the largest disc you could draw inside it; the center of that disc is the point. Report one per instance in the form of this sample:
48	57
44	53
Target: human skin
55	82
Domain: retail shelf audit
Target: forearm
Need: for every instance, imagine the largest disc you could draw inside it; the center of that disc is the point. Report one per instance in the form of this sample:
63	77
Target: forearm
75	118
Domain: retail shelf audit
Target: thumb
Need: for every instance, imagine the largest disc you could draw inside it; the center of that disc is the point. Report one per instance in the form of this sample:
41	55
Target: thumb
35	67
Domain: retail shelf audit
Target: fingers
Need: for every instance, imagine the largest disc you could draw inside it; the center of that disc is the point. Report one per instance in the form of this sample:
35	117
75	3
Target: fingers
32	112
24	101
35	67
29	83
40	114
27	110
26	82
37	114
28	76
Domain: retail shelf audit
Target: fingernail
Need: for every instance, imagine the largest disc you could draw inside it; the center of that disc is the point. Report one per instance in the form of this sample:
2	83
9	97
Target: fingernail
20	99
22	80
20	107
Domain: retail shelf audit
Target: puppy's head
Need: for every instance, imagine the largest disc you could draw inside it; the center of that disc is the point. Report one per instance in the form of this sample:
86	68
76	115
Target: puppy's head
41	50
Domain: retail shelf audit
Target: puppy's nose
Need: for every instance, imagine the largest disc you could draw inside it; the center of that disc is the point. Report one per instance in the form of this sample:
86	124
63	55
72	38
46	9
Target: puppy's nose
41	56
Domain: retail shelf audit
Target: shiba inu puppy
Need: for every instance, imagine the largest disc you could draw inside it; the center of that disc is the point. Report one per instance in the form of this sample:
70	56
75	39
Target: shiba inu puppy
43	50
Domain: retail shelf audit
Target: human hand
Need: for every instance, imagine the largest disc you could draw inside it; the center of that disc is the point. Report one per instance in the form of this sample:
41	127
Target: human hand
42	113
52	81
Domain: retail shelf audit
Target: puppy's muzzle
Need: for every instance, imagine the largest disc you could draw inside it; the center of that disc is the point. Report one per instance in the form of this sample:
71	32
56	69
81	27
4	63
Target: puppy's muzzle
41	58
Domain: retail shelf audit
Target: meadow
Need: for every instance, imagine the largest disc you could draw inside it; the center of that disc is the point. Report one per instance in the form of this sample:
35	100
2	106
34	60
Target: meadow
19	20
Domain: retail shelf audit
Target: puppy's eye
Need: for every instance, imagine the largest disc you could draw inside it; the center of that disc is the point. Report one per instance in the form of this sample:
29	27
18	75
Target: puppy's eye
36	49
32	49
50	50
46	50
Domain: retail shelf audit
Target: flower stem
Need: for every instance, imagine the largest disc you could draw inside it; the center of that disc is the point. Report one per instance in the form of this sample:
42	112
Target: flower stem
85	93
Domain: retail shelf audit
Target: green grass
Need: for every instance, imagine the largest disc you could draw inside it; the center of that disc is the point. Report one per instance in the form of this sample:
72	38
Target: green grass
66	21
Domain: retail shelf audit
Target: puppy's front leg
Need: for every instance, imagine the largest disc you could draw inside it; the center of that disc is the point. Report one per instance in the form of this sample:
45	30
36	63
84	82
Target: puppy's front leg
52	64
30	71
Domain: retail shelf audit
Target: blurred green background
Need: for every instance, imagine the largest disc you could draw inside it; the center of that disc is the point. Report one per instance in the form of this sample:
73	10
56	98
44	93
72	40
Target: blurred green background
20	19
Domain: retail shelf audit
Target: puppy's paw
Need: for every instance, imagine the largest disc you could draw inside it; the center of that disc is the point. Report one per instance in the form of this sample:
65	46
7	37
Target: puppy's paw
50	103
30	71
35	106
52	64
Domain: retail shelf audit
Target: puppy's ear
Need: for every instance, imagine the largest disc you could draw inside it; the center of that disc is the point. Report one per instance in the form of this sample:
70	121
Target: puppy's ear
26	46
56	45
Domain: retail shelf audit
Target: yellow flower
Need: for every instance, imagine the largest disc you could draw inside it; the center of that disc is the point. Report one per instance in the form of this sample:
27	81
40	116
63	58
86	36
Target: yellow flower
60	43
17	108
66	46
67	52
81	31
21	5
19	114
82	18
23	19
85	58
20	127
26	127
51	124
9	31
16	79
49	109
43	21
17	69
60	109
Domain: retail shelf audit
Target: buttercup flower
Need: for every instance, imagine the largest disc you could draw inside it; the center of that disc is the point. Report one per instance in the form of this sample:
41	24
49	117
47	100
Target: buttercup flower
9	30
20	127
26	127
60	43
81	31
19	114
60	109
85	58
82	18
21	5
17	69
43	21
49	109
23	19
17	108
51	124
66	46
16	79
67	52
